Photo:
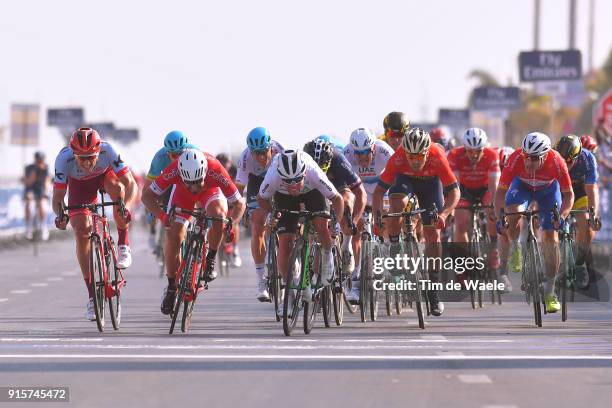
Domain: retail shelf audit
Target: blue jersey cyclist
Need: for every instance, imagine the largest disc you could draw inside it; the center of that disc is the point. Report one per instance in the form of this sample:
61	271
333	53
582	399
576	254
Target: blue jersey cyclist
582	168
340	172
252	167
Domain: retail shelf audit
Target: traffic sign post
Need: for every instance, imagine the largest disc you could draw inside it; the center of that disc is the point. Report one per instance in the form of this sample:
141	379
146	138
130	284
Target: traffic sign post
457	119
550	66
25	124
495	98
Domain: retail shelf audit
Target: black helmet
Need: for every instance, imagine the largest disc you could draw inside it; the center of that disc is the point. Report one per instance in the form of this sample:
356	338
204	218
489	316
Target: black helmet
321	151
569	147
39	156
396	121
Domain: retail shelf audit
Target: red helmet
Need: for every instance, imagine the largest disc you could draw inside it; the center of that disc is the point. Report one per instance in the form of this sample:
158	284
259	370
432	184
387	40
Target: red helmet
504	155
85	141
589	143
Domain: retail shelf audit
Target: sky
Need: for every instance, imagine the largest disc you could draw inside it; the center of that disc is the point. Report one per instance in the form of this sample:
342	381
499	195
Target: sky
216	69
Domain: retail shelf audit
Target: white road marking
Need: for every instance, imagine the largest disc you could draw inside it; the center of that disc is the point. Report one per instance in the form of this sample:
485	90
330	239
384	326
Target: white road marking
20	291
297	357
222	347
39	284
44	339
500	406
386	341
450	353
474	378
55	279
433	337
69	273
3	300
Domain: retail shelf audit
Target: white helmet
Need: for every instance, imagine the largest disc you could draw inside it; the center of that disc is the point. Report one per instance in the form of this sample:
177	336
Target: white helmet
416	140
291	164
192	165
362	139
474	138
536	144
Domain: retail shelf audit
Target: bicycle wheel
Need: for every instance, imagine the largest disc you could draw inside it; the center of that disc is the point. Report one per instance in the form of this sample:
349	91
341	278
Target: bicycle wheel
534	268
292	301
312	308
364	292
159	251
566	271
326	305
114	302
374	253
96	280
184	275
417	294
274	280
189	304
337	291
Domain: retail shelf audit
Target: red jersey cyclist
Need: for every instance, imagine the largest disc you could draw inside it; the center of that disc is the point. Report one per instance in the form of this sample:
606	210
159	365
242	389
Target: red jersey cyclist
83	168
418	167
196	177
536	173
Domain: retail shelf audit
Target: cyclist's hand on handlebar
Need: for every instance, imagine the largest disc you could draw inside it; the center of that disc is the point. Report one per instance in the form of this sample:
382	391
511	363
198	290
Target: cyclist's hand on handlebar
501	226
230	235
595	223
440	223
126	215
558	223
61	221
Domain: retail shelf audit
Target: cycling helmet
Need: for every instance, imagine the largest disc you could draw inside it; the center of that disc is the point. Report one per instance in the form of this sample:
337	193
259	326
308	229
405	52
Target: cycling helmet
589	143
474	138
440	134
395	121
39	156
291	164
192	165
362	139
258	139
569	147
536	144
85	141
175	141
223	159
321	151
504	155
416	140
325	138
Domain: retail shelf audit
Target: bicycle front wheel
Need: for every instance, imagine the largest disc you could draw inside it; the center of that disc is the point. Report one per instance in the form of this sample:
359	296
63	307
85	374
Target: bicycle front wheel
114	302
292	301
337	291
534	268
96	280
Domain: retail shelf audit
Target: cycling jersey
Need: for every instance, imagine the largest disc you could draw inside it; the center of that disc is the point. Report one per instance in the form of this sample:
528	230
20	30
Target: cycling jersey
474	176
248	165
40	176
314	179
341	174
161	160
370	175
67	169
436	165
553	168
216	178
584	171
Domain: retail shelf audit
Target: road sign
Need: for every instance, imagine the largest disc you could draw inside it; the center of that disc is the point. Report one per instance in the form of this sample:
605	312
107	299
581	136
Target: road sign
496	98
65	117
550	65
25	124
125	136
106	130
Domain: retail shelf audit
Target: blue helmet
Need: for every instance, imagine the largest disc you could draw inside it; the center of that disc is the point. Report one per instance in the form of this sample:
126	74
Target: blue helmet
325	138
175	141
258	139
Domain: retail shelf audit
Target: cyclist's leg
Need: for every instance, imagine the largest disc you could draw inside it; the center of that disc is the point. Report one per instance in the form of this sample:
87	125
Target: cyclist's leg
174	237
287	228
315	201
518	198
28	196
116	190
463	217
347	235
584	234
215	204
41	213
257	218
398	199
546	199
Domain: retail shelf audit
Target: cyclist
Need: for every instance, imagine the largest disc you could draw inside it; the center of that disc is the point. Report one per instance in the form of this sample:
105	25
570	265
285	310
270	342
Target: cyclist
348	184
196	177
292	179
418	167
582	168
504	153
394	124
36	182
175	143
252	166
232	170
535	173
368	157
589	143
476	166
85	166
442	136
336	144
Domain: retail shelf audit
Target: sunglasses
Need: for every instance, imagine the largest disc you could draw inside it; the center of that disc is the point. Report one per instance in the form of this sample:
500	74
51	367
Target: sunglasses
532	158
394	133
88	157
260	152
416	156
295	180
194	183
364	151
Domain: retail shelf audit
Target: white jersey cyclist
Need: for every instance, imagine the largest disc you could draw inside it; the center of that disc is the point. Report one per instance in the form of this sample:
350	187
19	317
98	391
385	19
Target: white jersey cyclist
369	175
248	165
314	179
66	167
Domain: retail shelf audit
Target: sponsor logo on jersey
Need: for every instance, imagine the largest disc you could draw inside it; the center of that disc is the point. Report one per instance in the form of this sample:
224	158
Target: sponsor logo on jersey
265	188
171	174
219	178
118	162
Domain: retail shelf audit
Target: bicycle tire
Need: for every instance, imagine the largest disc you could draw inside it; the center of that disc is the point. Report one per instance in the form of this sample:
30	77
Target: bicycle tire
184	279
293	293
274	280
312	308
337	291
566	275
363	282
326	305
97	286
114	302
413	251
534	281
189	305
161	259
374	253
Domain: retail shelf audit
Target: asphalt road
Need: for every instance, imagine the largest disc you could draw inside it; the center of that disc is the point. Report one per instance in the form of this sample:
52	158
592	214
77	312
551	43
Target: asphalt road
235	353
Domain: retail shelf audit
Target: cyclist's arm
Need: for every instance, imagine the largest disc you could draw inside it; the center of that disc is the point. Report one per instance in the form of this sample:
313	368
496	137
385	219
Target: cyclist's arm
58	200
240	188
377	200
592	192
337	204
238	208
151	201
493	181
264	203
131	188
500	199
451	198
361	200
567	201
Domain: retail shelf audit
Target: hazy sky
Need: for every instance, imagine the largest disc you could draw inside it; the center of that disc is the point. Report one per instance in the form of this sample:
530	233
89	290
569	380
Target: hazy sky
217	69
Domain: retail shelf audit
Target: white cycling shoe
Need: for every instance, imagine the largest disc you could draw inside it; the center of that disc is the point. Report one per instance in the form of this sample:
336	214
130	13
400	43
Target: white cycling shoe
90	314
124	256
